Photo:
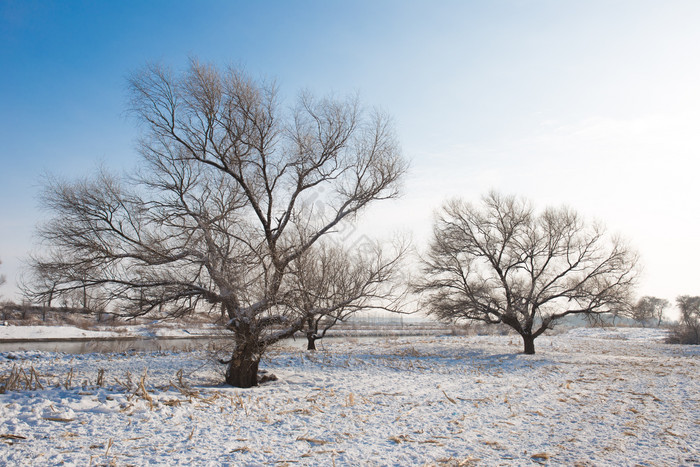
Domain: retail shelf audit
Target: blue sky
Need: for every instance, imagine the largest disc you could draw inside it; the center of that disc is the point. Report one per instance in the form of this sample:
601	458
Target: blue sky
592	104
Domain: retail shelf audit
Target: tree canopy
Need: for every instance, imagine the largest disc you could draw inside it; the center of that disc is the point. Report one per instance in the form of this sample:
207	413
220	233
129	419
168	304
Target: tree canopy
502	262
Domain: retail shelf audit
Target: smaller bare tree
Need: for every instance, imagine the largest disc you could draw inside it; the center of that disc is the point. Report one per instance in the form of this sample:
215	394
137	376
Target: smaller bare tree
43	285
501	262
333	283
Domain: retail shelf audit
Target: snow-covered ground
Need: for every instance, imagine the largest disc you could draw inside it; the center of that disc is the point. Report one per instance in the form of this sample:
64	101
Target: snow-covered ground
619	397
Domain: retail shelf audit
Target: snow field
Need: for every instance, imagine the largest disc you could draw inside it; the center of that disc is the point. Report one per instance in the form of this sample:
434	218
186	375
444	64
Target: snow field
586	398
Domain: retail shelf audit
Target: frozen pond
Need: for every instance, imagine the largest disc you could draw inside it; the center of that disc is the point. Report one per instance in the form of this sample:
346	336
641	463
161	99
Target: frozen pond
153	344
140	344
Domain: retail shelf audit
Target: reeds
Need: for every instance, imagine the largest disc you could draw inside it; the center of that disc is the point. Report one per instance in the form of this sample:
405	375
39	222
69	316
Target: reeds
20	380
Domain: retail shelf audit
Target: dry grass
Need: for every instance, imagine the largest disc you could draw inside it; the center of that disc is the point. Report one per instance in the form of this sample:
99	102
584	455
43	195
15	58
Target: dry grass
141	389
400	439
448	397
312	441
453	462
350	400
101	378
20	380
59	419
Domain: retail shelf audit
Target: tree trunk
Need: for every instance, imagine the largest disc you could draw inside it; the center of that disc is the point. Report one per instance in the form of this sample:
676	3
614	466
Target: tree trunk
311	342
242	371
529	343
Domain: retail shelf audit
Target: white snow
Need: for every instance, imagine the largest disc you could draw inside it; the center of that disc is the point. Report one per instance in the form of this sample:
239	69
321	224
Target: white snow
619	397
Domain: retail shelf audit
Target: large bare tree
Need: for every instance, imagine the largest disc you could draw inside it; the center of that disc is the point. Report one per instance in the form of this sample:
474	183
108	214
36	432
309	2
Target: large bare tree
220	209
501	262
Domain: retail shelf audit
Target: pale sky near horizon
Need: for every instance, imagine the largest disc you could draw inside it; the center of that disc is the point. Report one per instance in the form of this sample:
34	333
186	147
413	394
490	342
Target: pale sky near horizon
592	104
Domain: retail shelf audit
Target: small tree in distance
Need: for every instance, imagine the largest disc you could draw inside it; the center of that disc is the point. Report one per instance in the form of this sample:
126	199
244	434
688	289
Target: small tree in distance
688	331
2	277
648	309
501	262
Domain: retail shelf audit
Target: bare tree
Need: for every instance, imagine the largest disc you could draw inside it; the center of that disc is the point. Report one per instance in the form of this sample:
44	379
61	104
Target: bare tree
46	282
595	320
500	262
689	325
215	217
648	309
42	280
333	283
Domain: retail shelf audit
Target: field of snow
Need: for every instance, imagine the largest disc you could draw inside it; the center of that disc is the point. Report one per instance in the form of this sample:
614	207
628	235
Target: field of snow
589	397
